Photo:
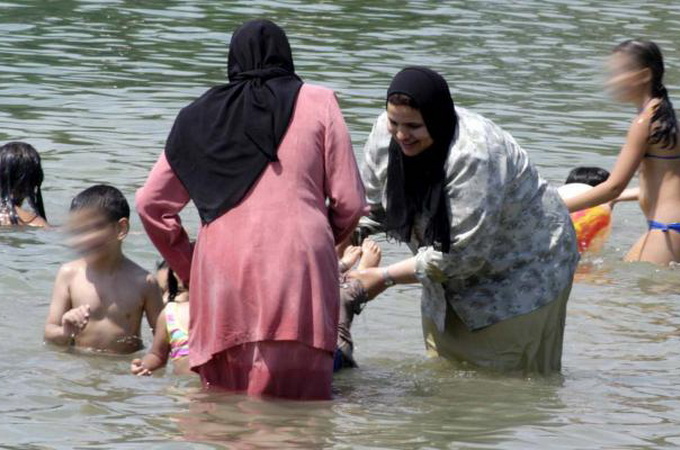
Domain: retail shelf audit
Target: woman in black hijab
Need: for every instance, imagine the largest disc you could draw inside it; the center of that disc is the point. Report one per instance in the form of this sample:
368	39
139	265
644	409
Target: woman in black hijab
494	246
268	162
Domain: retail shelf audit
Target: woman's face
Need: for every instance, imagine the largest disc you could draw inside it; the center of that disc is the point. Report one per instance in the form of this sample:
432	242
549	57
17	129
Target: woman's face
626	82
408	128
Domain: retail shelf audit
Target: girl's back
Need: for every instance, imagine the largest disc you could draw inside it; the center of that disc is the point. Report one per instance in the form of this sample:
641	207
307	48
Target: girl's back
660	184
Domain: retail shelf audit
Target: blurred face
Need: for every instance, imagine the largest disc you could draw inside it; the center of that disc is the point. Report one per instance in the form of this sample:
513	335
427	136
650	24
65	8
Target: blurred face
626	82
408	128
94	236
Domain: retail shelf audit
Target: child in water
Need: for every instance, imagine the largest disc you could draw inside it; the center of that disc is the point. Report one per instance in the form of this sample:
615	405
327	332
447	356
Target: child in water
592	225
171	339
21	176
99	300
652	146
353	296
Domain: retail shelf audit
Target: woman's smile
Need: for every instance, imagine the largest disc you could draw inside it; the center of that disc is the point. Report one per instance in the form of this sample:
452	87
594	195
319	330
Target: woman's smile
408	128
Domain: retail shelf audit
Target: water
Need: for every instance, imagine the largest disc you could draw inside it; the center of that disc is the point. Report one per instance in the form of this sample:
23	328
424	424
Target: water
95	86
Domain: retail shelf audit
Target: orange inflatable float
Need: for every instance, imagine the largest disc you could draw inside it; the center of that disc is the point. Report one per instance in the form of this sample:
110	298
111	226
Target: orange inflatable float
592	225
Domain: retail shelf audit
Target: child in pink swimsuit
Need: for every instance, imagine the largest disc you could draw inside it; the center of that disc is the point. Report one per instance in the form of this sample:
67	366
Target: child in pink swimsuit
171	337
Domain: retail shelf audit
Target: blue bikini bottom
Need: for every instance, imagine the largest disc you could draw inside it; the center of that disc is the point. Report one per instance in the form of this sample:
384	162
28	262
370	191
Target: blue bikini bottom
654	225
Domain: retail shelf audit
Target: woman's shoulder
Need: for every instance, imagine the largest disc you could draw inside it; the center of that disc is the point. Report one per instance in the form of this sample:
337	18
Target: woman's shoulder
379	139
316	92
478	133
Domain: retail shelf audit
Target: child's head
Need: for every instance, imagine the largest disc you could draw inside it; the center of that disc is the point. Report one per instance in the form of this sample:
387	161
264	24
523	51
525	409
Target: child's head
21	176
587	175
99	220
170	285
636	71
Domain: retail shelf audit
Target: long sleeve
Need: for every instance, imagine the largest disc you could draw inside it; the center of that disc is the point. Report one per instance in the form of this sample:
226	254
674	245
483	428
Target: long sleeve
476	185
158	203
344	189
374	174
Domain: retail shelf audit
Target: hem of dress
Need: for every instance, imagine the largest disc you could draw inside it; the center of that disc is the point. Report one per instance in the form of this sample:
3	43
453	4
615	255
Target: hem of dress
196	361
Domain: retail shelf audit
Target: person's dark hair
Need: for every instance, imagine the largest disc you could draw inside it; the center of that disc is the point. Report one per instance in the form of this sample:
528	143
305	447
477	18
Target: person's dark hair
21	177
105	199
588	175
647	55
173	283
402	100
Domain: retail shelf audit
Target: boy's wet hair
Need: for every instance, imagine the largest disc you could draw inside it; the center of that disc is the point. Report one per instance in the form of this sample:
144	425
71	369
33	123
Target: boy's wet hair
21	177
588	175
105	199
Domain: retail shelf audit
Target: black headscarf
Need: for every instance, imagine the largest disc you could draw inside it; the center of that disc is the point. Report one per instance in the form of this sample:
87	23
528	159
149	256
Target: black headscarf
221	143
417	185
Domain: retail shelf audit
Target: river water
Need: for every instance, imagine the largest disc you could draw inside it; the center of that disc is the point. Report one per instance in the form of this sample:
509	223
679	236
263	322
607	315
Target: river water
95	86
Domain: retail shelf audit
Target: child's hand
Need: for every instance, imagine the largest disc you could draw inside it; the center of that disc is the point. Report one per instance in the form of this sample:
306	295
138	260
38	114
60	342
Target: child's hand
137	368
75	320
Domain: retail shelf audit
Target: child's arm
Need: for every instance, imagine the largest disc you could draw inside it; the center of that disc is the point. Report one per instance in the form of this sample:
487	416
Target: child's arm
153	302
629	195
158	355
63	322
627	163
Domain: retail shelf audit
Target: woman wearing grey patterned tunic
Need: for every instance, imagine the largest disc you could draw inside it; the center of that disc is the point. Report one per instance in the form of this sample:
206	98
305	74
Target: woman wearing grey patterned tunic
495	250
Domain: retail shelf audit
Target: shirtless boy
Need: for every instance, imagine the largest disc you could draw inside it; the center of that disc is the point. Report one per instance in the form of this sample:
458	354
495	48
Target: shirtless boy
99	299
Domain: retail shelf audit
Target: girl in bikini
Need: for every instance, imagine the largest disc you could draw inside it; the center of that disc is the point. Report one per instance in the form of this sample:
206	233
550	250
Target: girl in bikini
171	336
21	176
652	146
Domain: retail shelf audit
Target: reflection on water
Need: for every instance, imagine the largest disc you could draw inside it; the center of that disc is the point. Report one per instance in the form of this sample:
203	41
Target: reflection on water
95	86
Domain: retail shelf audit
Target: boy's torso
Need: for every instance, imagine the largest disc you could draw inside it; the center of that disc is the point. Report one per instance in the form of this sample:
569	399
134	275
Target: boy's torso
116	301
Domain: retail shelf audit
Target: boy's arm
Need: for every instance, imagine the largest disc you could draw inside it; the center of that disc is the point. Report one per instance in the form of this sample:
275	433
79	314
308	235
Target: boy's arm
153	302
158	355
57	329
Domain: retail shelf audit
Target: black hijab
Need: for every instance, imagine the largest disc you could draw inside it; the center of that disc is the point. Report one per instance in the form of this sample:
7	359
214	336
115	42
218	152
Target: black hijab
222	142
417	185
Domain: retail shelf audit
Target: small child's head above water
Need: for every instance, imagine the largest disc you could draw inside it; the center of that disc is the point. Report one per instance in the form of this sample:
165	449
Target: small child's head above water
587	175
169	283
21	177
99	220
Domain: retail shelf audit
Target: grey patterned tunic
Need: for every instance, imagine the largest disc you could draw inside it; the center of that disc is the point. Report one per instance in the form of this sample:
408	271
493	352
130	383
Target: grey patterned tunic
513	247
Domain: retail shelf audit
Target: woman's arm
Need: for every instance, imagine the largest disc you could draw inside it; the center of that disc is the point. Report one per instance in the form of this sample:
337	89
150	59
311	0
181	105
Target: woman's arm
158	203
627	163
376	280
342	181
374	177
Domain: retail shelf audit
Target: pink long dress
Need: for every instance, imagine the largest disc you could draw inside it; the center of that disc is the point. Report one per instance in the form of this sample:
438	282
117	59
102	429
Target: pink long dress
263	277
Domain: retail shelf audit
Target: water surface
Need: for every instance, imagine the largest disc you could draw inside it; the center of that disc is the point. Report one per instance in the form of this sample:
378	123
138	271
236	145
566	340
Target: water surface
95	86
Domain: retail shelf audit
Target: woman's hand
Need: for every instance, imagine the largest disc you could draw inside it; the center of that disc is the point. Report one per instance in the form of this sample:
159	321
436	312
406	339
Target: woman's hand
435	274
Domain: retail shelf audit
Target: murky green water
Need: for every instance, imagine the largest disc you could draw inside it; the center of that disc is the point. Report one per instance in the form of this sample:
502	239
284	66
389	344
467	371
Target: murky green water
95	85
